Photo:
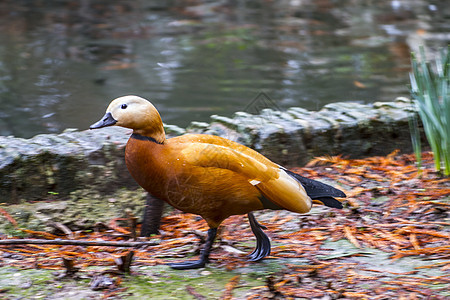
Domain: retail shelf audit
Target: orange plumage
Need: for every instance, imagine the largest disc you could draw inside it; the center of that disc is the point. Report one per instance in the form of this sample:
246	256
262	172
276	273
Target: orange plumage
208	175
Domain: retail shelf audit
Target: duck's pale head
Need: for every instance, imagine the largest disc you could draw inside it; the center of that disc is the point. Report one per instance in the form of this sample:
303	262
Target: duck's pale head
135	113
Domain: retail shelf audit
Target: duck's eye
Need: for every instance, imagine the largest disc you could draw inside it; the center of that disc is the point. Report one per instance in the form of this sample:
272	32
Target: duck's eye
123	106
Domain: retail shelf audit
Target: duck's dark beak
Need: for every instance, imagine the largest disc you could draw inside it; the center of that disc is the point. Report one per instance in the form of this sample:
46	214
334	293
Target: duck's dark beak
107	120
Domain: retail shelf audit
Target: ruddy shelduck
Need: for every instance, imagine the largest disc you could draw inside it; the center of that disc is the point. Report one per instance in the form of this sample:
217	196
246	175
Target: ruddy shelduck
209	175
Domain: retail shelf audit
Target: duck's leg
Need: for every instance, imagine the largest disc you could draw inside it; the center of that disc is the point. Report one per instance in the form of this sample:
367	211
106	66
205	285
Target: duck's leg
152	215
204	255
262	241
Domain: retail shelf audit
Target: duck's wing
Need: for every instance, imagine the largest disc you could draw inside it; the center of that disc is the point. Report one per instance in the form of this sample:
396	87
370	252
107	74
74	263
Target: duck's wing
272	181
217	156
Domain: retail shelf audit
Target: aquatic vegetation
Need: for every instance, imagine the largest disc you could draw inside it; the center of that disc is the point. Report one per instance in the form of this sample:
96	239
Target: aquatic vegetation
430	90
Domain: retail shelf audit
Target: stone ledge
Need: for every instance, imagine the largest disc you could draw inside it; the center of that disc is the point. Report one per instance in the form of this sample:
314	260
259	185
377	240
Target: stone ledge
50	166
294	136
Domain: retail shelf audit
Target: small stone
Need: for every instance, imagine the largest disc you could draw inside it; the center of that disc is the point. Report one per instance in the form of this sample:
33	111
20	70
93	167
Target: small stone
205	273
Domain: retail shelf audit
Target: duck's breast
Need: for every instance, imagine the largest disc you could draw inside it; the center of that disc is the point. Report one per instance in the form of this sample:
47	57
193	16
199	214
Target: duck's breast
143	160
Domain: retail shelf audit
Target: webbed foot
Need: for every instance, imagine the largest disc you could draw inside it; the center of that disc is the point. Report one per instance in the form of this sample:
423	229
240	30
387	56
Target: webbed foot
194	264
204	256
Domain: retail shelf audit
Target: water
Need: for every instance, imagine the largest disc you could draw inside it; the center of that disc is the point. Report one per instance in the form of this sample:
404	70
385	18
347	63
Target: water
61	62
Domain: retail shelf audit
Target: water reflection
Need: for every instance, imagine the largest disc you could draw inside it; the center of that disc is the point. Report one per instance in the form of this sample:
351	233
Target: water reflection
62	62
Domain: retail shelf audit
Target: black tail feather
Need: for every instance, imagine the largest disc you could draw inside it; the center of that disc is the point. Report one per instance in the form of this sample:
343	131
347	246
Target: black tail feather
319	191
330	202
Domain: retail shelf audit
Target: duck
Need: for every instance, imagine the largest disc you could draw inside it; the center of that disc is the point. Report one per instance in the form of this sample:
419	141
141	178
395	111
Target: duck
209	176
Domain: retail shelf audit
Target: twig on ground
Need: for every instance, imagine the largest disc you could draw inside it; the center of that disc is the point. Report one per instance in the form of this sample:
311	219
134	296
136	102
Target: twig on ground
191	290
76	242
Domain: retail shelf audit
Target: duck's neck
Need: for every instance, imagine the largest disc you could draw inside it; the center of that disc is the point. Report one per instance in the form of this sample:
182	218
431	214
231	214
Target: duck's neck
147	123
153	132
140	137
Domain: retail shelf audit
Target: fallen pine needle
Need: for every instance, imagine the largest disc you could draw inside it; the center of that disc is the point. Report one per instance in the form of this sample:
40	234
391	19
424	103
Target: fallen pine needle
409	282
414	241
424	231
229	287
349	235
8	217
41	233
358	295
432	265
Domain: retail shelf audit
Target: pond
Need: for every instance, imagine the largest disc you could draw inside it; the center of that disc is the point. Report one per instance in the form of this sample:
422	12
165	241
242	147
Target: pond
61	62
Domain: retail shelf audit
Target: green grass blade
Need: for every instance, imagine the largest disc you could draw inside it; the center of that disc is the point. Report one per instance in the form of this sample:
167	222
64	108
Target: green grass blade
430	90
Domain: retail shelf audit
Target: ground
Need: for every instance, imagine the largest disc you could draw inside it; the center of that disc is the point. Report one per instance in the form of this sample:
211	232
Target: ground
391	241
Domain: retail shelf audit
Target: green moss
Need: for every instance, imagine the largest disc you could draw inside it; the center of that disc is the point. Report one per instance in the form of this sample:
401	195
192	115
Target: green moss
161	282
